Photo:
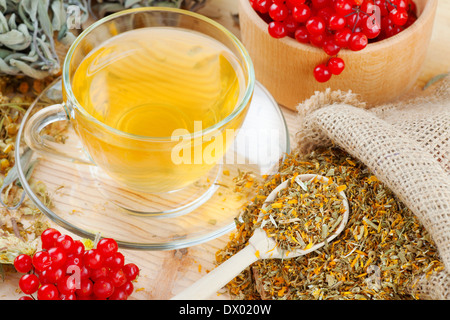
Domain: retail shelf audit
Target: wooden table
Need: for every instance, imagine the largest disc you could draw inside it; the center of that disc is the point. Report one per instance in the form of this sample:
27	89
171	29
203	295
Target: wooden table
166	273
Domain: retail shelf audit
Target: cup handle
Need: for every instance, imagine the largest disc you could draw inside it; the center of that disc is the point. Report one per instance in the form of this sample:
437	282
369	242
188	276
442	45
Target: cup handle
38	142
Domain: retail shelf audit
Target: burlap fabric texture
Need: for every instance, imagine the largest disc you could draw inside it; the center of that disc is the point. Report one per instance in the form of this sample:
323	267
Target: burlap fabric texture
405	144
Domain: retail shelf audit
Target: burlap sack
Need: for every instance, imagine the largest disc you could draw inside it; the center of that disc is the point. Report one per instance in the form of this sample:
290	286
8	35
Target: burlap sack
405	144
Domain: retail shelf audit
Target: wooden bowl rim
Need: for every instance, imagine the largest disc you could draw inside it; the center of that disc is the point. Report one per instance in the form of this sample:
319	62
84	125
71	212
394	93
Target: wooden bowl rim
426	14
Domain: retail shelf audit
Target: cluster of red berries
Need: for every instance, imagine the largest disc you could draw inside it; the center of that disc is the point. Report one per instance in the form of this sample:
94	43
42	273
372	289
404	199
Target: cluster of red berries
335	24
64	270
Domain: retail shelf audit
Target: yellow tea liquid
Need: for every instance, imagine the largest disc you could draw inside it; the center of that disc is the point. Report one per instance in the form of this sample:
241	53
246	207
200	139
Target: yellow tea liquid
150	82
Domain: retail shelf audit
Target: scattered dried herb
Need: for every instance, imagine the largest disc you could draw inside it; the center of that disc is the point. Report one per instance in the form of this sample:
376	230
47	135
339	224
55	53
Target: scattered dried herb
27	35
381	253
104	7
19	228
30	30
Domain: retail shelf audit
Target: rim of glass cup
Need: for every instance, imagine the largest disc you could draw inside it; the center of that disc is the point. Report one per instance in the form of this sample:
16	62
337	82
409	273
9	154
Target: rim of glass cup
237	110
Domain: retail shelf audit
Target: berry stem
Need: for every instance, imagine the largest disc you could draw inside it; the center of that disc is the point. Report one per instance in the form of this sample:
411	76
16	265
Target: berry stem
355	11
388	1
356	21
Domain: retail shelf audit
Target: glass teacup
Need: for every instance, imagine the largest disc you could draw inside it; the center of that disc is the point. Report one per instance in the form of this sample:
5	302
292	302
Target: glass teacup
153	94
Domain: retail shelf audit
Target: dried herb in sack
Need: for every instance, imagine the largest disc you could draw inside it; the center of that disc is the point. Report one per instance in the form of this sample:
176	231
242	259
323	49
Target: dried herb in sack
406	143
379	255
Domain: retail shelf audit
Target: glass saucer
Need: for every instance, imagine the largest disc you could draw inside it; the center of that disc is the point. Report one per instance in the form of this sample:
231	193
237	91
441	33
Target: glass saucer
84	201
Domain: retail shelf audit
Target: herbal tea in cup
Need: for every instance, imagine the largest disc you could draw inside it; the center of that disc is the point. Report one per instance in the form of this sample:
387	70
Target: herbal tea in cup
153	95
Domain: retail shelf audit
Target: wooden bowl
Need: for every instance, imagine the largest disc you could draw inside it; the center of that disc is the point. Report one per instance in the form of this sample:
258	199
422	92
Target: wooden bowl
379	73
